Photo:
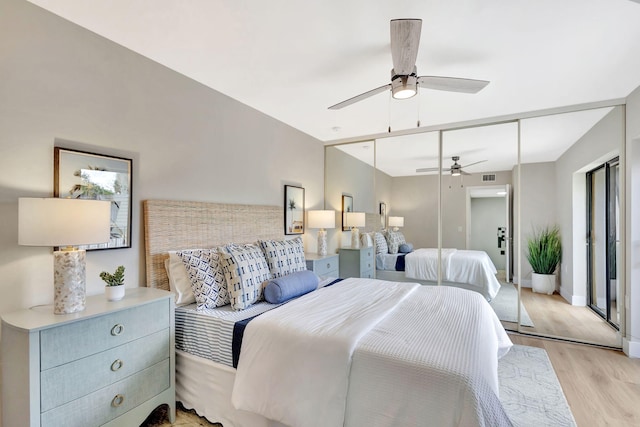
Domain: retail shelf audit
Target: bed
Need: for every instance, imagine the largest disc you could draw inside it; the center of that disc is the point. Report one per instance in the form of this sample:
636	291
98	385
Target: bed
468	269
344	351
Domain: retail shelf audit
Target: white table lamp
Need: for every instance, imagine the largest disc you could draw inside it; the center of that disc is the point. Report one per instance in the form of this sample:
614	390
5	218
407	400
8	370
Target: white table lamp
355	220
396	221
65	223
322	220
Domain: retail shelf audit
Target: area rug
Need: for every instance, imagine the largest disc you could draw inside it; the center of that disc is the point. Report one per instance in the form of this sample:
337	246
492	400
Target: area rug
530	391
505	305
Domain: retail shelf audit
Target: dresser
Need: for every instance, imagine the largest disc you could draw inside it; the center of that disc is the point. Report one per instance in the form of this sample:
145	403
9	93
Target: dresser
323	265
111	364
357	262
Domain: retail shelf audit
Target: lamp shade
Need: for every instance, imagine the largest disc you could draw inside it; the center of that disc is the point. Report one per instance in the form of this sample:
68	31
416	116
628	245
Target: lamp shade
396	221
355	219
63	222
321	219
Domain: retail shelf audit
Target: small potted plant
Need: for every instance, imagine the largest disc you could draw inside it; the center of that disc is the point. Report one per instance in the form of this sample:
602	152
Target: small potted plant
544	253
114	288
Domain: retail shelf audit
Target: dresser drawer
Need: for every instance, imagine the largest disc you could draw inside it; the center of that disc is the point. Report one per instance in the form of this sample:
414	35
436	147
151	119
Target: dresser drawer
367	274
70	381
76	340
366	259
112	401
323	267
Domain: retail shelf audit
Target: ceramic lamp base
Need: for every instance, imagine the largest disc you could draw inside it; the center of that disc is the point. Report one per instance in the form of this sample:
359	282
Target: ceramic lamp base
355	237
322	242
69	276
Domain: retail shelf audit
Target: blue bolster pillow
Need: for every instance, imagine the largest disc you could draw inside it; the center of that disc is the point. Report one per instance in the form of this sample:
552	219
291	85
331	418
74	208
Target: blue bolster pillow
290	286
405	248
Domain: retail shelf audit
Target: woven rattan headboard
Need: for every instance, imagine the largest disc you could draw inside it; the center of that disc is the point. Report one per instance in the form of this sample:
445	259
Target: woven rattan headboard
173	225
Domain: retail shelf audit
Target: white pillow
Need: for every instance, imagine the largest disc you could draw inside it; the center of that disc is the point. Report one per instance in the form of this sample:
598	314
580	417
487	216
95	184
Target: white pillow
365	240
179	282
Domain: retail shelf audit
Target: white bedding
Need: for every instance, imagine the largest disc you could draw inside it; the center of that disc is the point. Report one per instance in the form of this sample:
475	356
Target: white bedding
417	352
458	266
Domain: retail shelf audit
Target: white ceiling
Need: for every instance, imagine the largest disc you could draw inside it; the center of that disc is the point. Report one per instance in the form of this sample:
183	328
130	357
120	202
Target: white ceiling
291	60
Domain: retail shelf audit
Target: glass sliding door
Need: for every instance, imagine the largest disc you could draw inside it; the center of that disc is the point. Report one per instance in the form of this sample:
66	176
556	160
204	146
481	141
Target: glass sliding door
603	240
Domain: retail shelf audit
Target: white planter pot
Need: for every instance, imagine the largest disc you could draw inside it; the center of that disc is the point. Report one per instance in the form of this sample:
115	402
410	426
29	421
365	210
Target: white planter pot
543	283
114	293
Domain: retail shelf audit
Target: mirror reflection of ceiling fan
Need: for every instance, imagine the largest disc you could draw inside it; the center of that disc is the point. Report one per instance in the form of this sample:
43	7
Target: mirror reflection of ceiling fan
455	169
405	39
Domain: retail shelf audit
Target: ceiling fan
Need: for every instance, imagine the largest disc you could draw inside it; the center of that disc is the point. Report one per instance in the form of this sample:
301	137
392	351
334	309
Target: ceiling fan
455	169
405	38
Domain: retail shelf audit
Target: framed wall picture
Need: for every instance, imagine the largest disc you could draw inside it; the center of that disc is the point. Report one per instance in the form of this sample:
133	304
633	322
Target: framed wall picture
347	206
82	175
383	215
293	210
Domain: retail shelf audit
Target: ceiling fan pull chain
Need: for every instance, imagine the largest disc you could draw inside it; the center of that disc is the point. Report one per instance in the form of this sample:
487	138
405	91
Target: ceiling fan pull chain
389	114
418	124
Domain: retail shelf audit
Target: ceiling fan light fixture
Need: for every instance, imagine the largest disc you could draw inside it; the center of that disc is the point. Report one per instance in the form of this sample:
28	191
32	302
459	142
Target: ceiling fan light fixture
404	87
455	172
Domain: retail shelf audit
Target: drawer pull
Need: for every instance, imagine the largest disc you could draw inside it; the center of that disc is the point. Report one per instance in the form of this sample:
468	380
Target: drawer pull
117	329
116	365
328	266
117	400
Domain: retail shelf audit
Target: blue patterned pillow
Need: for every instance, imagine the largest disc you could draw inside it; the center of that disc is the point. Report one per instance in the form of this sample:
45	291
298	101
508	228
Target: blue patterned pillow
381	244
246	272
394	240
207	281
284	256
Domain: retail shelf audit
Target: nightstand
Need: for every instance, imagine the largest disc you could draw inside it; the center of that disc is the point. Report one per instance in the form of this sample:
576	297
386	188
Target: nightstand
356	262
323	265
111	364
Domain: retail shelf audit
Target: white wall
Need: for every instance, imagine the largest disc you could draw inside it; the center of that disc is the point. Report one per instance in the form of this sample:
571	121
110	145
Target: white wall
61	83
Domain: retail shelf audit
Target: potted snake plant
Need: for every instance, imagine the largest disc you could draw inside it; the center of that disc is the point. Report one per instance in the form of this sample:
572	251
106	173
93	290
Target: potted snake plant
114	288
544	253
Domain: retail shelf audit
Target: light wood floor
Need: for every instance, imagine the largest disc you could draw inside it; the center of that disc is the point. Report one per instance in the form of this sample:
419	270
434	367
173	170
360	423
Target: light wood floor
602	386
553	315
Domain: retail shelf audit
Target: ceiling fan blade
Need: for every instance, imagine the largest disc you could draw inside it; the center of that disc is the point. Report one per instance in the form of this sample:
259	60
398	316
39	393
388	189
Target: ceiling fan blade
360	97
452	84
429	170
471	164
464	173
405	39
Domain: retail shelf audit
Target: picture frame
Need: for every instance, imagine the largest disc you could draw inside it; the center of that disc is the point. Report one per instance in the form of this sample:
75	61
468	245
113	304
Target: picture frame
85	175
347	206
293	210
383	215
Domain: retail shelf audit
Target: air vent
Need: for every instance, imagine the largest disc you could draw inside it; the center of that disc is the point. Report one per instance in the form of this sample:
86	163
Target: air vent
488	177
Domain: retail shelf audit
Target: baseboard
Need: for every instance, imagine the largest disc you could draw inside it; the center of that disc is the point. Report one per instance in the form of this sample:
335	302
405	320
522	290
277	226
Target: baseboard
631	348
576	300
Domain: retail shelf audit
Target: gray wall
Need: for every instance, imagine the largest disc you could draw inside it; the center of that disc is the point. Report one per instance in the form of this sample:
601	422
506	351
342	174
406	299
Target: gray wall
603	142
487	214
631	167
61	83
416	198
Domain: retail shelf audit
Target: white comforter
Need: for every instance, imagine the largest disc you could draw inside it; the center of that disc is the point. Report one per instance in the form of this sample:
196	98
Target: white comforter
366	352
469	267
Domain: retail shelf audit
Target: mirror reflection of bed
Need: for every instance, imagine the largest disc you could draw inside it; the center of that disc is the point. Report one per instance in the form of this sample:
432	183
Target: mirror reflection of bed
552	190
